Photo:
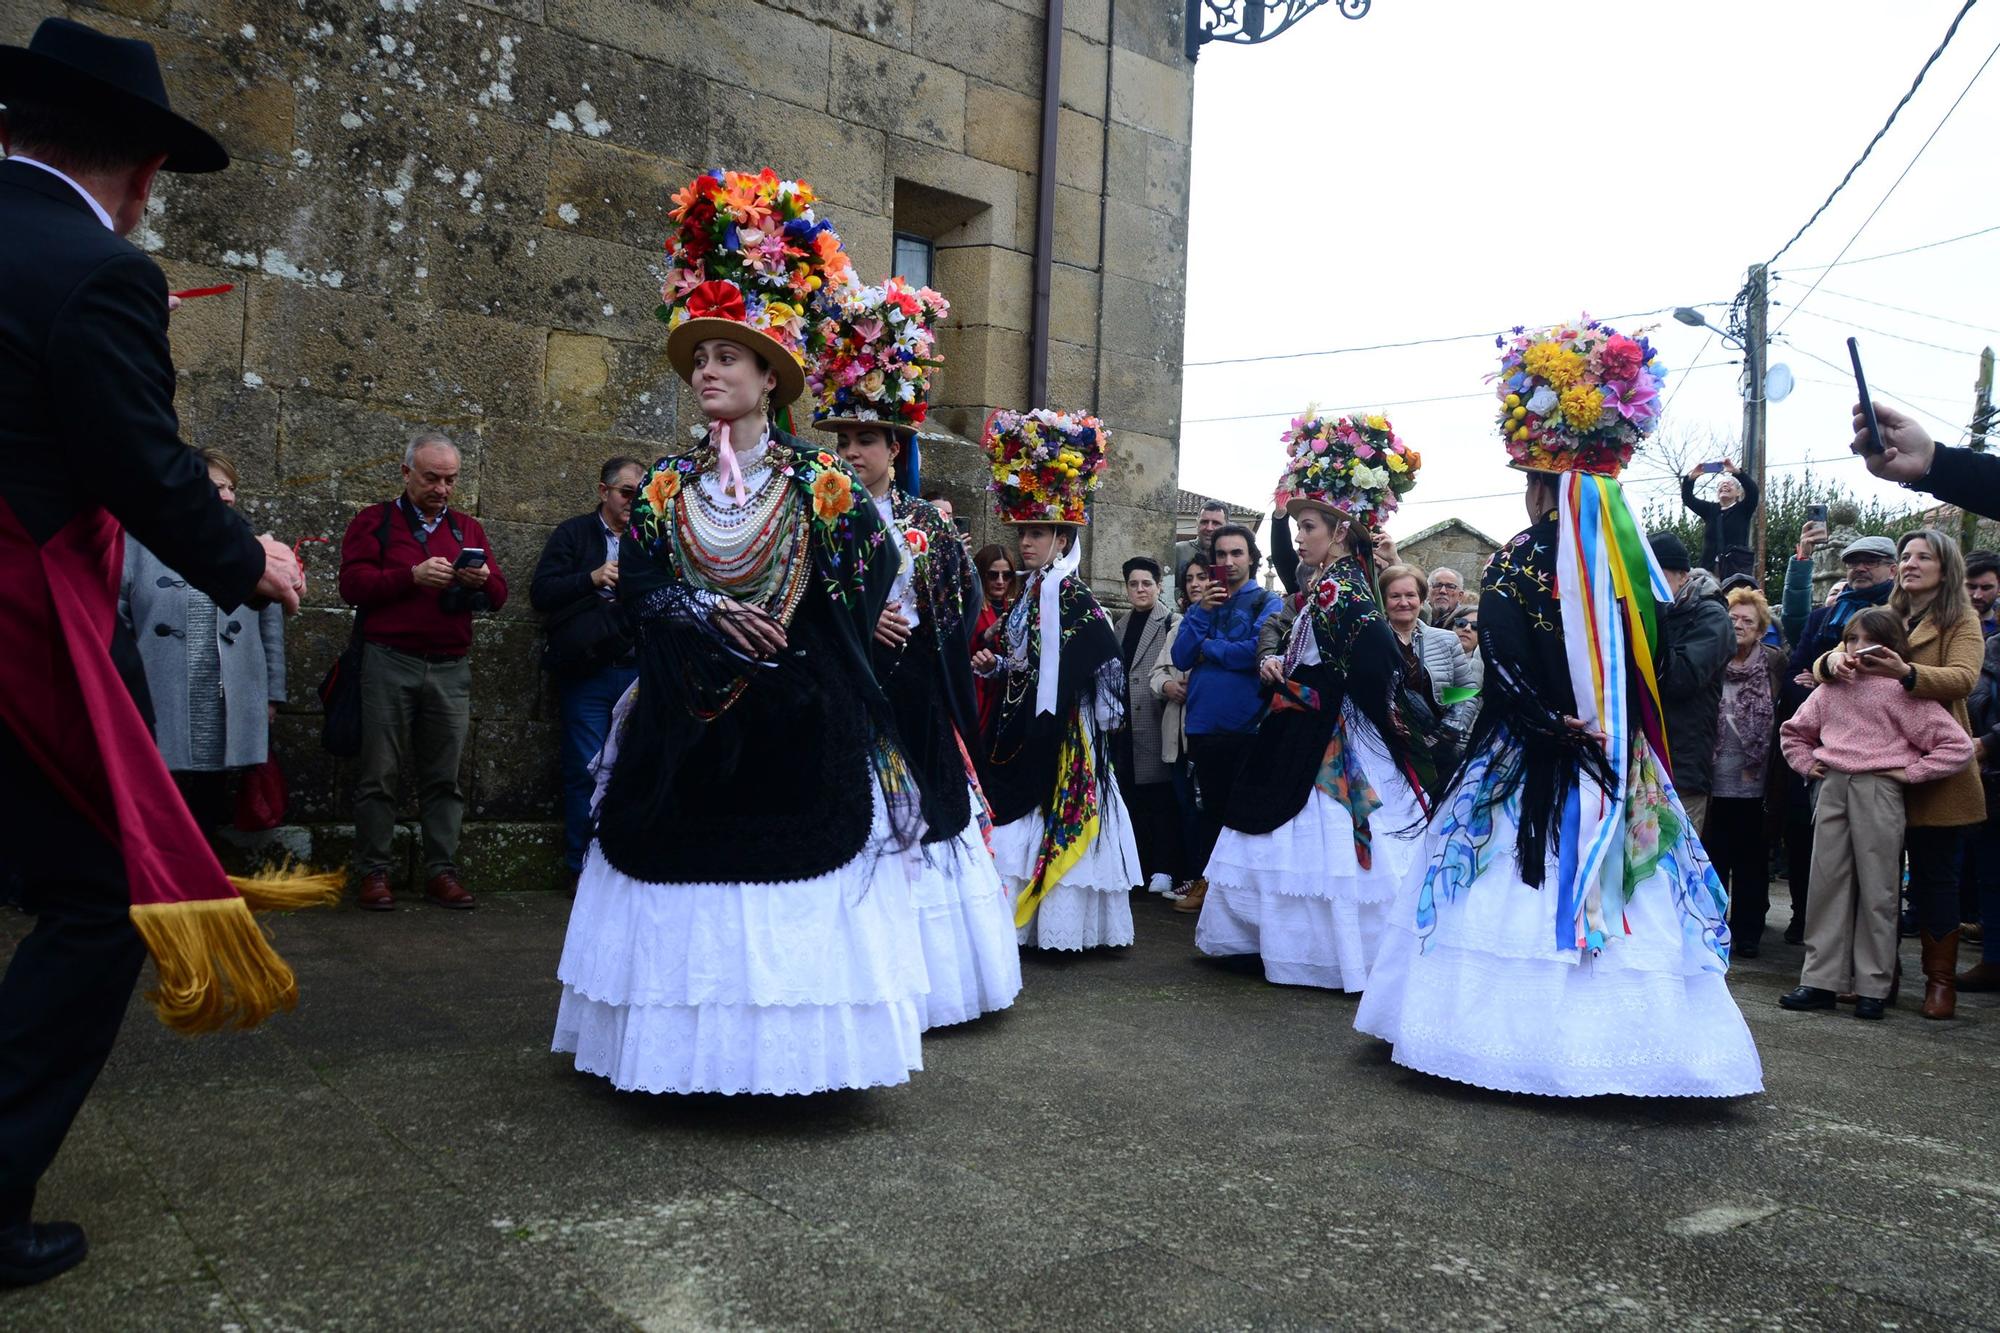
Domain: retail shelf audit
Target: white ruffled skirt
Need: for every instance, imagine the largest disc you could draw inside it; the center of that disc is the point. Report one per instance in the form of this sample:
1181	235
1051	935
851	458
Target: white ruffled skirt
1298	895
1486	996
965	918
1091	907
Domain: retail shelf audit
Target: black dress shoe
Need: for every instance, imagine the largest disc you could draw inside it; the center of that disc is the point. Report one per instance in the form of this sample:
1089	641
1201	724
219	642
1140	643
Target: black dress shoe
32	1252
1807	997
1746	951
1795	933
1867	1006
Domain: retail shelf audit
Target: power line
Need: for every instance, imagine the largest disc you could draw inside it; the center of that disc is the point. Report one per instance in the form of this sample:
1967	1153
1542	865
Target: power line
1895	184
1401	402
1679	382
1880	333
1902	310
1893	254
1894	111
1413	342
1878	390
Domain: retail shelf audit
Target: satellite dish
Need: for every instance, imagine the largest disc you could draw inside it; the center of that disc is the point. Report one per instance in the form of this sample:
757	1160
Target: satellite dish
1778	383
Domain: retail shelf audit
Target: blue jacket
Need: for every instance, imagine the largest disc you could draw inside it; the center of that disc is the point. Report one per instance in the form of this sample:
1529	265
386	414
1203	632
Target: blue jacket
1219	651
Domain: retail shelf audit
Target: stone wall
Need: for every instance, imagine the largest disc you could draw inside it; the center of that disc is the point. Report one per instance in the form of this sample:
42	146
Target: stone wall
449	214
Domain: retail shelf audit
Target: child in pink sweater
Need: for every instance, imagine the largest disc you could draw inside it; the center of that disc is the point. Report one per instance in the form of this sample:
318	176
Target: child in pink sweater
1864	740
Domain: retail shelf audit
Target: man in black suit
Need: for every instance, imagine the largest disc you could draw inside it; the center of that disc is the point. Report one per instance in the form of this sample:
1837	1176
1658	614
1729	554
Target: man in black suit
89	447
590	648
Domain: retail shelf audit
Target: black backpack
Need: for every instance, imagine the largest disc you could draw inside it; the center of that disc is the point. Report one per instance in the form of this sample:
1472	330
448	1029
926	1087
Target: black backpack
340	688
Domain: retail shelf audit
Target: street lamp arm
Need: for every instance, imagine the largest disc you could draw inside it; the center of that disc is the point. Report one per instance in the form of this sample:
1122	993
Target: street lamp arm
1245	22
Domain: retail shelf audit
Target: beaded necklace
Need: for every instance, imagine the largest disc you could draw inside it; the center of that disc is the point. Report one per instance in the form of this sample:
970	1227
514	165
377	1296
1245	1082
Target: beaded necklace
736	550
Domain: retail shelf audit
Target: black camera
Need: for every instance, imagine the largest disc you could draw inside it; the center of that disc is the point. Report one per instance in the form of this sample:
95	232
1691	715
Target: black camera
458	598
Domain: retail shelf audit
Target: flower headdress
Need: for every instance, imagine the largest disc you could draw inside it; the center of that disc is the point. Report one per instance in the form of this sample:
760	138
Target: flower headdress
1046	464
1577	397
749	261
881	347
1356	465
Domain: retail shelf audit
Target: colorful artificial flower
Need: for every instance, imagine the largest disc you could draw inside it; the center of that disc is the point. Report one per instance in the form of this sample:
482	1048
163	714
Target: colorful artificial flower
833	495
1359	466
878	356
661	490
749	249
1046	464
1576	398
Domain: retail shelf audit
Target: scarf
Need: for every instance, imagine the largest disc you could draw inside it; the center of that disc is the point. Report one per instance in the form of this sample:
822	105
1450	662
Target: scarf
1854	599
1747	705
1135	629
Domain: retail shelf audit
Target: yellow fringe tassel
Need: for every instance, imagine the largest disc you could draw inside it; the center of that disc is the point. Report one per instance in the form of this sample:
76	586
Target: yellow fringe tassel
282	888
216	967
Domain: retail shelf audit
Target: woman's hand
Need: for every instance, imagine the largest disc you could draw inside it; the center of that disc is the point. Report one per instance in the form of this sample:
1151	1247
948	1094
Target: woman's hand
1577	724
1175	690
891	629
1840	666
1811	538
1881	662
1898	775
1271	670
984	661
750	631
1816	772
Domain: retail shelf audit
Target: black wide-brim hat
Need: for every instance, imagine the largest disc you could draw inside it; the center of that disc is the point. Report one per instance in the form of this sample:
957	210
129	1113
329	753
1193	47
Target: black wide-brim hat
68	64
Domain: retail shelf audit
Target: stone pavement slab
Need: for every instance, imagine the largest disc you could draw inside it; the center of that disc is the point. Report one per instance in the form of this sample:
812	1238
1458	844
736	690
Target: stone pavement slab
1147	1140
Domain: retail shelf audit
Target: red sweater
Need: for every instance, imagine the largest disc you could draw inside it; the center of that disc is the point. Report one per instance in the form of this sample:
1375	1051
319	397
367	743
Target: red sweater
377	579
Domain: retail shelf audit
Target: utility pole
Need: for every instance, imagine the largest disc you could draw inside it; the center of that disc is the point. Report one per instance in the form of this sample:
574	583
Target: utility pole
1756	294
1982	418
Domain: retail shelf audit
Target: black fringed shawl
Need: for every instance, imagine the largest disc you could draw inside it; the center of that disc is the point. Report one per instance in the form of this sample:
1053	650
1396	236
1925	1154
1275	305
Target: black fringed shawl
732	771
1019	760
1526	695
1358	660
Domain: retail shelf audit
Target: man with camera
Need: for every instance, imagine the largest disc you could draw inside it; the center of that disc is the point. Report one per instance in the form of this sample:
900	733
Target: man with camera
415	570
590	648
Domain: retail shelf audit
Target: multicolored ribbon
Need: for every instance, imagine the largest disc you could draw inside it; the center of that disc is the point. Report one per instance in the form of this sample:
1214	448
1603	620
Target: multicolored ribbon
1069	820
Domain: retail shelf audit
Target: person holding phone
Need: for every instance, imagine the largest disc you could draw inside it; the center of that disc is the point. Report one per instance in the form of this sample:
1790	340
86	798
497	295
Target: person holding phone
1729	522
415	570
1909	455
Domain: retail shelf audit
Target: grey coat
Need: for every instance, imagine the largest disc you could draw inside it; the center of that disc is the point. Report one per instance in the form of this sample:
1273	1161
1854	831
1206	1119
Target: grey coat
1146	708
1696	642
1444	658
153	602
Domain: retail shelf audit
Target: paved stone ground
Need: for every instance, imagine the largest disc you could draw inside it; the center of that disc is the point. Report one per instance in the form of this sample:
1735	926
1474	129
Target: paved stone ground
1146	1141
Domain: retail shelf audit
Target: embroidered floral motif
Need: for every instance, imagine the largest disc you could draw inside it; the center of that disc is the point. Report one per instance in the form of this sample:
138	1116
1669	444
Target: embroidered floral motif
833	495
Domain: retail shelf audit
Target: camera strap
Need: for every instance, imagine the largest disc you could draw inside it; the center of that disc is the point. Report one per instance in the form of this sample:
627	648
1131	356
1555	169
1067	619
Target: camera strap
416	522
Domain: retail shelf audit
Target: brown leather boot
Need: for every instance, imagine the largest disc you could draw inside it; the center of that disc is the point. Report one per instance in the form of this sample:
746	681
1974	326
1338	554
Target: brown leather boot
375	895
445	890
1197	890
1980	977
1940	974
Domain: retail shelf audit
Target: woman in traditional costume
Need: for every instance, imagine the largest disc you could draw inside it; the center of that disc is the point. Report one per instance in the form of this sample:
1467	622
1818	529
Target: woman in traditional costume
1564	933
743	921
1061	834
1323	823
870	388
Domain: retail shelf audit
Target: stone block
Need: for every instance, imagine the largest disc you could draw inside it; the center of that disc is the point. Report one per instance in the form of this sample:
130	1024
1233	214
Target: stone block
222	84
1079	151
496	857
1076	227
841	159
514	772
1145	474
643	395
1156	33
1072	304
353	452
1148	170
316	522
219	411
545	277
207	334
517	547
1073	378
1141	393
612	194
1003	126
1088	18
1117	533
986	366
1083	65
987	285
869	240
401	352
1143	320
576	379
987	40
20	18
739	46
285	224
1139	243
507	681
907	95
889	22
535	474
599	95
1155	97
967	177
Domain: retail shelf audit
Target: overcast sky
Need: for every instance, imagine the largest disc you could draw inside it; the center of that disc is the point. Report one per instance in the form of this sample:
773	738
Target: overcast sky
1443	167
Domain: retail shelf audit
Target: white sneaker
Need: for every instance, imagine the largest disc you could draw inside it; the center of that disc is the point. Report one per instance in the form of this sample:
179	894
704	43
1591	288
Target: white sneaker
1160	883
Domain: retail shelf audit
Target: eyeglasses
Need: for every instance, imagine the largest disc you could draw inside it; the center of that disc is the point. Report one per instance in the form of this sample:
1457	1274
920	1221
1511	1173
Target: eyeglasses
999	575
629	492
1442	586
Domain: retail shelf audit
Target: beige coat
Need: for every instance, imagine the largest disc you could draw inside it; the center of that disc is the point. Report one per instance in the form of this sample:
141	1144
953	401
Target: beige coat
1947	668
1173	716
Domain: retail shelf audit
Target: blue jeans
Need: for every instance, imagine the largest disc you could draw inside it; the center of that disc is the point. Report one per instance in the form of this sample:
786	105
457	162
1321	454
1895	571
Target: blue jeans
1983	850
587	702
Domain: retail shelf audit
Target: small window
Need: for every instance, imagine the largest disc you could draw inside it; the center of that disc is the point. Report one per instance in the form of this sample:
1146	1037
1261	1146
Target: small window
913	259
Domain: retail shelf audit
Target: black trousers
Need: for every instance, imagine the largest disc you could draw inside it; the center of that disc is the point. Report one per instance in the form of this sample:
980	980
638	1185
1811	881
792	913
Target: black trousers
65	993
1741	850
1934	866
1798	846
1218	757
